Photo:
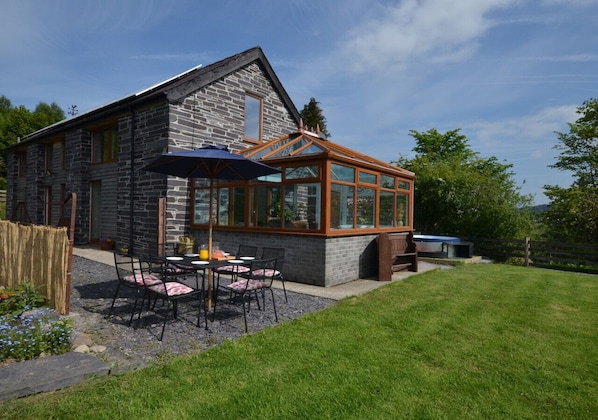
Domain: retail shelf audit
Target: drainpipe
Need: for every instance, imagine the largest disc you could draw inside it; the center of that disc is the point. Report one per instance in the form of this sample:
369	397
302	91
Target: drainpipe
132	183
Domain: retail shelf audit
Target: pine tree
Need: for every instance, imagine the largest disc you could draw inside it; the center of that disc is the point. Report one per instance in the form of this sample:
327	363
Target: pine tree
313	117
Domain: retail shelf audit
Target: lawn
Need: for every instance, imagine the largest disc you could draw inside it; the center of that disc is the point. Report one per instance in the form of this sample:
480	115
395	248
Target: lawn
477	341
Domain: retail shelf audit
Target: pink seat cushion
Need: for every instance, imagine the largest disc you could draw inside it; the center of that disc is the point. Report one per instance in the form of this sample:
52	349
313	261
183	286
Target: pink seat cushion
171	288
242	285
142	279
232	269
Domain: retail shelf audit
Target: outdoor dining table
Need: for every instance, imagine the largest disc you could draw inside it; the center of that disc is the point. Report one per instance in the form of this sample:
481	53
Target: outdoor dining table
192	262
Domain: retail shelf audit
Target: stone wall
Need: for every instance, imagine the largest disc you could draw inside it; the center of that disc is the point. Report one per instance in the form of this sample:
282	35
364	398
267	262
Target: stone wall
312	260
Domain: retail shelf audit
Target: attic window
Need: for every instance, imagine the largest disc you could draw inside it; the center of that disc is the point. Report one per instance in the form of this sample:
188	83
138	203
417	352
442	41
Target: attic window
253	118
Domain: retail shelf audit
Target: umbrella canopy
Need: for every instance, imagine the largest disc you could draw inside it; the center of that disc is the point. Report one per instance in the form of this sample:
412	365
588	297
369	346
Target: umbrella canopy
212	162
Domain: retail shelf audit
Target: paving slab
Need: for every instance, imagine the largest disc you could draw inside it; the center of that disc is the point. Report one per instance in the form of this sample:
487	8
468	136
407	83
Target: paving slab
48	374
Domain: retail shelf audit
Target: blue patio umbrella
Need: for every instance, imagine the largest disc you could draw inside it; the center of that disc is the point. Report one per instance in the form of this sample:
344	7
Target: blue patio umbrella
211	162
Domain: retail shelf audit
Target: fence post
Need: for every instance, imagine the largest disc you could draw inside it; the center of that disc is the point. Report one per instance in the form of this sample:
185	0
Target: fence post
527	250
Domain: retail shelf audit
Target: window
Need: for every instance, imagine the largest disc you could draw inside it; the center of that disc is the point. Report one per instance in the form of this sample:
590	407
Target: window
22	164
366	207
387	208
368	178
253	118
342	198
402	209
105	145
49	158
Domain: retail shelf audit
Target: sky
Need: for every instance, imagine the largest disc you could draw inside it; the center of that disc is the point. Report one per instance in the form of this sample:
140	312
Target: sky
507	73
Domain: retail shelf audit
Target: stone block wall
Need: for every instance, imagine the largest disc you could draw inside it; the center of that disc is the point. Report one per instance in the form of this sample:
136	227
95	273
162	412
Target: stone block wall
312	260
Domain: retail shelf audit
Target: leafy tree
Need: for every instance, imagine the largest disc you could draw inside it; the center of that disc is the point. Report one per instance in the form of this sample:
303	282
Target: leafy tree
313	117
573	212
18	122
459	193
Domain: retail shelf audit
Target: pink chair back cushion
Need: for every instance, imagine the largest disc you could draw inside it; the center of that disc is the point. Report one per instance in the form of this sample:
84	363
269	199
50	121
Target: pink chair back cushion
171	288
268	272
142	279
170	268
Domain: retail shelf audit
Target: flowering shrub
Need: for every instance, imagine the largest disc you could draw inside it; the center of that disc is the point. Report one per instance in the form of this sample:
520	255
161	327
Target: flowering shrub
27	332
32	333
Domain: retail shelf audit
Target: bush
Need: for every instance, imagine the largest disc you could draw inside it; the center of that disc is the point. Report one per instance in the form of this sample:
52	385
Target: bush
21	298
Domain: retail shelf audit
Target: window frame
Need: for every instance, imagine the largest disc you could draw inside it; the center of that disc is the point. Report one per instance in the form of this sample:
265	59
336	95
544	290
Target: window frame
109	149
247	119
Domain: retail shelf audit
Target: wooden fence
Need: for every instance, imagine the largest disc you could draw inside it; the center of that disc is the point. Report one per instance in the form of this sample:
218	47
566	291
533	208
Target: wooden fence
38	254
558	255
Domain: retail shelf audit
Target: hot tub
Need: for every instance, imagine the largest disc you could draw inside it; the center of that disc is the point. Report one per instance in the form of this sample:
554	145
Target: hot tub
437	246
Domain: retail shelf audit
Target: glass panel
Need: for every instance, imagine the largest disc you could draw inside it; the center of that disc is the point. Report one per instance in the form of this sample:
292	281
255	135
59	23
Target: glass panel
386	208
274	207
387	182
302	206
366	207
98	146
302	172
342	198
271	178
290	149
238	206
260	198
402	209
105	146
223	215
253	108
114	144
368	178
342	173
404	185
201	206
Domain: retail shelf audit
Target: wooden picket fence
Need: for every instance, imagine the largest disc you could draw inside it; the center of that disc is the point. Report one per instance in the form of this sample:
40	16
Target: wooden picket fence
558	255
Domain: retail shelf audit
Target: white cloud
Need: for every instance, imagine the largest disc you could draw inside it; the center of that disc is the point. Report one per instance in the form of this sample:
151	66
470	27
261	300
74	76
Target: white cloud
420	30
532	135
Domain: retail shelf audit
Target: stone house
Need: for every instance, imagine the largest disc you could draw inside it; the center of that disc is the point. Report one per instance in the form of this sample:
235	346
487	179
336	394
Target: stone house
325	209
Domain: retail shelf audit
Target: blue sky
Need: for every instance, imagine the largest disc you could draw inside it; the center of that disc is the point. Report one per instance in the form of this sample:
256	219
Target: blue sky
508	73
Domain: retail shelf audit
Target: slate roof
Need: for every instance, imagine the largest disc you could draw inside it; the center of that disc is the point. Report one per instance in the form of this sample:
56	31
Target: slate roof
174	89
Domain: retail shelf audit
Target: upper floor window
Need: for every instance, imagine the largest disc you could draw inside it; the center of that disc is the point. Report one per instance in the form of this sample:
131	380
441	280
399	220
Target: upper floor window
49	158
22	163
253	118
105	145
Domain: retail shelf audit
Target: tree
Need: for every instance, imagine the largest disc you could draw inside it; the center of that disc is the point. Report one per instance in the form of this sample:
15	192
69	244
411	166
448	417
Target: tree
18	122
313	117
459	193
573	212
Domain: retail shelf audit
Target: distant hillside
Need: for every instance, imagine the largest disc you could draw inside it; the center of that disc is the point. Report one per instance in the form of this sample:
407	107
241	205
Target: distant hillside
540	208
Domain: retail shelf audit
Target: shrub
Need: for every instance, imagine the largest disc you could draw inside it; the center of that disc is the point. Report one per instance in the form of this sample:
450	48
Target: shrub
21	298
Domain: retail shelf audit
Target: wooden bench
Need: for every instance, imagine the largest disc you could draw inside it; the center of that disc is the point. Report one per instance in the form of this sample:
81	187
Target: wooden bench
396	252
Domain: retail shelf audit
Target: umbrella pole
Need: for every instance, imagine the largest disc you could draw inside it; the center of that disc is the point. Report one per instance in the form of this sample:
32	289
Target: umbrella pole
210	278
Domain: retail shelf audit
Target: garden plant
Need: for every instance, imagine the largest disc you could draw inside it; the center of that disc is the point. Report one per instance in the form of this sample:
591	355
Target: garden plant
27	328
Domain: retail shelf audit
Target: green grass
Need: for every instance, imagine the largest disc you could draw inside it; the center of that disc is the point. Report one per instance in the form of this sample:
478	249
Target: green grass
476	341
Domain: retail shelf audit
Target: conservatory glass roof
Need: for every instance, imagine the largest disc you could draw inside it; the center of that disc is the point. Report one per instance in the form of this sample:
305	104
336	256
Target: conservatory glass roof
306	143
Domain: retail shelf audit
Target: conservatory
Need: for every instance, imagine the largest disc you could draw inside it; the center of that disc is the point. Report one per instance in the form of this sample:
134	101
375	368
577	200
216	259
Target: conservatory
323	189
326	208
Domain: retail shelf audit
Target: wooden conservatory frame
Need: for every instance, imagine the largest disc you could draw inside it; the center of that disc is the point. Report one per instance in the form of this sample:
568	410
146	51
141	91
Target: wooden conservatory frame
334	191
